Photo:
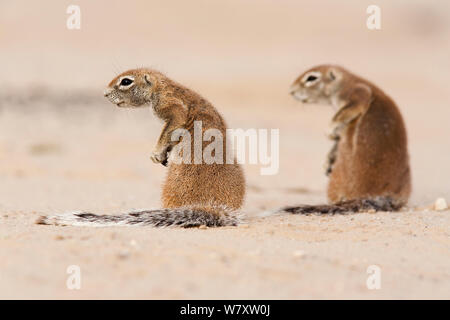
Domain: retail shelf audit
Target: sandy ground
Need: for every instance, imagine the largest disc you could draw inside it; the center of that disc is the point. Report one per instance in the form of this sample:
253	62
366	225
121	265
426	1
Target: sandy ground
63	148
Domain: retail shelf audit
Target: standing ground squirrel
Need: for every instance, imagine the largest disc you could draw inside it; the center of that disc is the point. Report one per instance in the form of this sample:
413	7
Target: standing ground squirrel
193	194
368	165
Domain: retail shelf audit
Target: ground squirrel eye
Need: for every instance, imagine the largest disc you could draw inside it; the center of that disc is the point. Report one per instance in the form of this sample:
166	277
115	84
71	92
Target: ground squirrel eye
311	78
126	82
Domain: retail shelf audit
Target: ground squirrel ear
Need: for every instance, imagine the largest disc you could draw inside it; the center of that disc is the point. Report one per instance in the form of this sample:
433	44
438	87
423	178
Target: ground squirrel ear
333	80
148	79
333	74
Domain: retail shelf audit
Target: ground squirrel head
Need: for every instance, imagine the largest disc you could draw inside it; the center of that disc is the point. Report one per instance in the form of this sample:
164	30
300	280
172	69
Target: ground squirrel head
318	84
133	88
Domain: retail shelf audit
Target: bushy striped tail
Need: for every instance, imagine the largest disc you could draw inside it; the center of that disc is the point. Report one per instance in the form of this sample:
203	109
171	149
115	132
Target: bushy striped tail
349	206
181	217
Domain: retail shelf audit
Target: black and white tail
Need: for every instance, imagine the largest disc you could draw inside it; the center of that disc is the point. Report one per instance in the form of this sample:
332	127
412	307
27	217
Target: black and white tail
349	206
181	217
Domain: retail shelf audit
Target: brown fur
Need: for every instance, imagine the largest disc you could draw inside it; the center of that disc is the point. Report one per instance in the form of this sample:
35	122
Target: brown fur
179	107
370	158
191	190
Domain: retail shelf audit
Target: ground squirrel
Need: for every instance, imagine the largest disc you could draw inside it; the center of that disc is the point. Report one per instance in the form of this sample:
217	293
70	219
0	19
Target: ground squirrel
368	166
193	194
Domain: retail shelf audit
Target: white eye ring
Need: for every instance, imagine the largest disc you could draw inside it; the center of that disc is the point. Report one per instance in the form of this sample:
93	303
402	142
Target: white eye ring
311	78
125	86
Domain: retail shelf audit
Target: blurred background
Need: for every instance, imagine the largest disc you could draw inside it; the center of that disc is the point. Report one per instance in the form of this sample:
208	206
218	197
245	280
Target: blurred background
64	147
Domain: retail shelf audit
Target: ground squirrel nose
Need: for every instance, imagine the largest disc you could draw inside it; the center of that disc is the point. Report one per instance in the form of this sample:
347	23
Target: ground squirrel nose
293	89
107	92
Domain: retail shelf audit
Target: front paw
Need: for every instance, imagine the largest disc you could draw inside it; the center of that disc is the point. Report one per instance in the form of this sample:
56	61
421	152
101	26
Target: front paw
331	159
327	168
335	133
161	156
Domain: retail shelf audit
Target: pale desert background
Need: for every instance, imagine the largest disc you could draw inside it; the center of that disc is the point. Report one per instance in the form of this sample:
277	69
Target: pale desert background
63	147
